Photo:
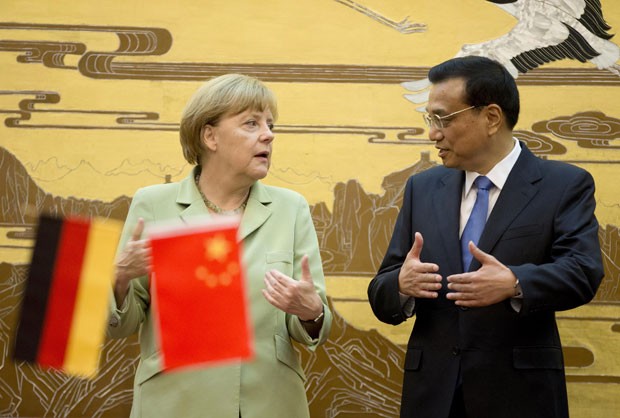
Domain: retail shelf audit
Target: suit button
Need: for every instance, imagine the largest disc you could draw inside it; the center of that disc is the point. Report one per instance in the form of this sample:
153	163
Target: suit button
463	308
456	350
113	322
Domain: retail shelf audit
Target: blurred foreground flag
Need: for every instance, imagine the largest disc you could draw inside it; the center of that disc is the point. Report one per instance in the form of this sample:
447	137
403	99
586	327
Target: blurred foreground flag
65	307
198	292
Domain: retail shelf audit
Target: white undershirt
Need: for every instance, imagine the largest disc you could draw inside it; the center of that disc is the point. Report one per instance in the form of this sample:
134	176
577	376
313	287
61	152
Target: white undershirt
498	175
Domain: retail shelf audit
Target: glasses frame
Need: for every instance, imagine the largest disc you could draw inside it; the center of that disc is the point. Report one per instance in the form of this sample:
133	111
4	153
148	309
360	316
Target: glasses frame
432	119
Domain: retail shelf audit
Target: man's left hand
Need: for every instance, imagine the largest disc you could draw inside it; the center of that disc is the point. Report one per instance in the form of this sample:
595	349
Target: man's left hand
493	282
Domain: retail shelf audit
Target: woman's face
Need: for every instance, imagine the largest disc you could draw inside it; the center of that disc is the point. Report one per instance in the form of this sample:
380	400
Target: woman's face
241	144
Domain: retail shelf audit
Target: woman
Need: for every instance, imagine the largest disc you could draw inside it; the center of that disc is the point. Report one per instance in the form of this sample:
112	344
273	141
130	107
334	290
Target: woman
226	131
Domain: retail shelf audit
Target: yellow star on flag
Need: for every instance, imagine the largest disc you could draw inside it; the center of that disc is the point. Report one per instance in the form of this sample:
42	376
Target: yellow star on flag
217	248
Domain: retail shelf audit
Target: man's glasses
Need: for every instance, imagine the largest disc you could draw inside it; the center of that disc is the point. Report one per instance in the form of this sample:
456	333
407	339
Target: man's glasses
440	122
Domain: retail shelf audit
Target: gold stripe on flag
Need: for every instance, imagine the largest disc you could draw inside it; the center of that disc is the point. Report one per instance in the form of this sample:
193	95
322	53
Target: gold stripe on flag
91	305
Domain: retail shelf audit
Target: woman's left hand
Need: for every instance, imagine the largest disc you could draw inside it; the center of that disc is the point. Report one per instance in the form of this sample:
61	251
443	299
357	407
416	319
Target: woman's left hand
295	297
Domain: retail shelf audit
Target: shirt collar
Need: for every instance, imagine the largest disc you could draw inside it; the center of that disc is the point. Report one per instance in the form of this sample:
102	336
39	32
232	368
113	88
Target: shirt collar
498	174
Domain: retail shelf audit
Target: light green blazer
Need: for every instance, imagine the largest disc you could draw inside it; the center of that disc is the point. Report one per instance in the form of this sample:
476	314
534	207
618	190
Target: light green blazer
276	230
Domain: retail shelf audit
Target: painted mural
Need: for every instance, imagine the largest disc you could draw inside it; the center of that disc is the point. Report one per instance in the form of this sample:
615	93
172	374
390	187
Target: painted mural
91	94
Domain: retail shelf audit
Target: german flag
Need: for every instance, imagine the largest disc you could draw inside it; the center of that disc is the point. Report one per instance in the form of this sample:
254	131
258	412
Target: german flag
198	293
65	306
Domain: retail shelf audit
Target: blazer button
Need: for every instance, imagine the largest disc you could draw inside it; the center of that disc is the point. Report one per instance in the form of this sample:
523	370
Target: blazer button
113	322
456	350
463	308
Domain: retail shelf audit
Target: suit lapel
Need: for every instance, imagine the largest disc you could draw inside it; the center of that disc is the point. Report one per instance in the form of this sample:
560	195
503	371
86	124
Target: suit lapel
257	210
518	191
447	204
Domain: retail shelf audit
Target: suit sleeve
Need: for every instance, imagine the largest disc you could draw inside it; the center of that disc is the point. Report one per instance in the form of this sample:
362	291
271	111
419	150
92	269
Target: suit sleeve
574	271
306	242
126	320
383	292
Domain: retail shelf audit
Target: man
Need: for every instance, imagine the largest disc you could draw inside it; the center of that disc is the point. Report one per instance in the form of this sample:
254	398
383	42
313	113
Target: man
485	343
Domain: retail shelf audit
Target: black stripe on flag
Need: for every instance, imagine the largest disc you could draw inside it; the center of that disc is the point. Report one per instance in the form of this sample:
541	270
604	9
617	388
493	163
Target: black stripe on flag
40	274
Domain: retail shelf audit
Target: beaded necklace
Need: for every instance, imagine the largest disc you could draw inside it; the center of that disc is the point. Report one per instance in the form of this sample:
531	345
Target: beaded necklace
215	208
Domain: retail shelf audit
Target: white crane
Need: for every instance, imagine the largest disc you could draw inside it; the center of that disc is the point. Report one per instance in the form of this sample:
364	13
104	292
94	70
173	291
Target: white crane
546	30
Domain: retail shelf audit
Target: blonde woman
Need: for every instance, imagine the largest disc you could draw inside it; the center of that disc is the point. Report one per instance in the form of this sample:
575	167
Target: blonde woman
227	133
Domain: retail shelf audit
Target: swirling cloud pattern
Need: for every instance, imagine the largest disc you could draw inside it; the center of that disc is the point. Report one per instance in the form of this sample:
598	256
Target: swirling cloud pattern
591	129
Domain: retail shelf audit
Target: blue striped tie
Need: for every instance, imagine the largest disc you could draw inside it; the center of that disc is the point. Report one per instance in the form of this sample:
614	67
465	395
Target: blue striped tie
477	219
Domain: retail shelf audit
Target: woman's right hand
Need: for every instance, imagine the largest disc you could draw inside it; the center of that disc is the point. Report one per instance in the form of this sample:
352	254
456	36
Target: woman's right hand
134	261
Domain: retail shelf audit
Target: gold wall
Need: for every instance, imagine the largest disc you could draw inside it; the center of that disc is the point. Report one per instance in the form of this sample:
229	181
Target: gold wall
91	94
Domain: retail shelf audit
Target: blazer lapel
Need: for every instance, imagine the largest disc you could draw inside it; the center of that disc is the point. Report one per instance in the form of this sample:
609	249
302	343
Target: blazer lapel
447	204
519	189
189	199
256	212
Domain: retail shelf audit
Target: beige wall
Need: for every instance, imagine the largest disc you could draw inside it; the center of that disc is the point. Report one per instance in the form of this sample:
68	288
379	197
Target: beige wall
91	96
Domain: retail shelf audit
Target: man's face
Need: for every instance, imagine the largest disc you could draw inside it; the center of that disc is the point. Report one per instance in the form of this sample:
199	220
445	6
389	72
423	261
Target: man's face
463	142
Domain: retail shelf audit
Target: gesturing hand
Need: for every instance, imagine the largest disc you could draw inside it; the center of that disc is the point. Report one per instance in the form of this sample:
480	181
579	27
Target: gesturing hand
134	261
416	278
295	297
491	283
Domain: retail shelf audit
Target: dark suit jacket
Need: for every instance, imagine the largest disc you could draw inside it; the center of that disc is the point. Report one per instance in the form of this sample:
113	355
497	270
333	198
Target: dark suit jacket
543	228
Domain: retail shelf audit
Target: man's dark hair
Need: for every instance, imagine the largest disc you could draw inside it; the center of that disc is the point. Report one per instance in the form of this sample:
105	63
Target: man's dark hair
486	82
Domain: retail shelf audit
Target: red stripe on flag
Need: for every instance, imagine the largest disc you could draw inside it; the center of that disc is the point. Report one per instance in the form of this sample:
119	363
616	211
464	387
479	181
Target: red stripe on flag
63	291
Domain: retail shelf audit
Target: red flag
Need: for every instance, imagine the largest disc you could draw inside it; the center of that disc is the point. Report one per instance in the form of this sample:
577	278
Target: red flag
198	291
65	306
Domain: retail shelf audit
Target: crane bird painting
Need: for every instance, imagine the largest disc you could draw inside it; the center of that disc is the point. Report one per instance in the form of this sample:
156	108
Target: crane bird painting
546	31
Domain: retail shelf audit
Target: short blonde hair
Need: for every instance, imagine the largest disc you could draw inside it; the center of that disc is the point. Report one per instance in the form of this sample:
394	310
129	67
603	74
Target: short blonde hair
228	94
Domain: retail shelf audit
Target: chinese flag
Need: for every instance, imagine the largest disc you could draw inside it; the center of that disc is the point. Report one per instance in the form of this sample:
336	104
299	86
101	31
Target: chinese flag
198	292
65	307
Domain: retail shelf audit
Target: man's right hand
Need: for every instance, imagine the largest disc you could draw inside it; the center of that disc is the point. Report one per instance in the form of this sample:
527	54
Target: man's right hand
416	278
